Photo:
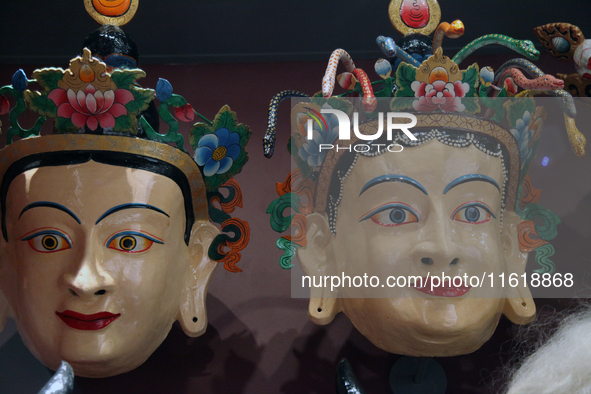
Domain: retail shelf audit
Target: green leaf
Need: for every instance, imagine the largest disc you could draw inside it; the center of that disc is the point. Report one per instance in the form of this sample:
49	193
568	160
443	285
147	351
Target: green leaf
244	133
471	76
401	103
64	125
471	105
48	77
386	90
226	120
318	99
197	131
126	124
124	79
341	104
517	107
141	101
237	166
41	104
405	76
176	101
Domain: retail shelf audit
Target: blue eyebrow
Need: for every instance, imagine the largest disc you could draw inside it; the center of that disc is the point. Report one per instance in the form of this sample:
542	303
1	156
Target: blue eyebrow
129	206
49	204
393	178
470	178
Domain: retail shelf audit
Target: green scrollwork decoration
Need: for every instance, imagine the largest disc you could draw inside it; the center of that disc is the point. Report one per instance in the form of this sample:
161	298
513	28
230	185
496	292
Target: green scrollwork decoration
543	254
547	229
279	222
289	250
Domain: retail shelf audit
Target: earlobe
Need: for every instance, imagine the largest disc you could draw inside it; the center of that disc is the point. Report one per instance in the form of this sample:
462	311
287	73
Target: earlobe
322	311
519	305
192	312
317	260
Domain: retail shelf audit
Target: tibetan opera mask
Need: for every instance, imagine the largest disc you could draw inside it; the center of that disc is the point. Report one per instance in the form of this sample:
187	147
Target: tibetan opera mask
107	238
449	199
435	209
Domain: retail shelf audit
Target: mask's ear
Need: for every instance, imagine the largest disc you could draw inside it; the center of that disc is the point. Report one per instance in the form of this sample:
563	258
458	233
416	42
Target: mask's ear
519	305
317	260
192	313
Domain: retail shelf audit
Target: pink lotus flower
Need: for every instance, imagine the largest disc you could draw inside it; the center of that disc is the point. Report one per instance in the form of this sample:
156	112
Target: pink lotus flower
90	107
440	94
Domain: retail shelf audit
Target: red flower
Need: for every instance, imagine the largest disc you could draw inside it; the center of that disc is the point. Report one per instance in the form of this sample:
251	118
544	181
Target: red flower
4	105
90	107
185	113
440	94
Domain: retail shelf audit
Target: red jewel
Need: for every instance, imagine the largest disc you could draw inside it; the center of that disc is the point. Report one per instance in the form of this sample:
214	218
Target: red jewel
415	13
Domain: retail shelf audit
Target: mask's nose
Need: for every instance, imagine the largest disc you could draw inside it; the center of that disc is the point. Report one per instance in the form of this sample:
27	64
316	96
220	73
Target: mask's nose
438	247
88	279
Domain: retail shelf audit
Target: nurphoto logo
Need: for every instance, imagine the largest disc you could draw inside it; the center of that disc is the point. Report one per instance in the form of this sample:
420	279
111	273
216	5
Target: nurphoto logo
344	126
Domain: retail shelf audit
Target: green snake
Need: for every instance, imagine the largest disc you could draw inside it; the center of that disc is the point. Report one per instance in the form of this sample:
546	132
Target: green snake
523	47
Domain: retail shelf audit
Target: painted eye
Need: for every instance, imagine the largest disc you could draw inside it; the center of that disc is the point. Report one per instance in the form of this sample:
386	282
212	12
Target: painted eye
473	213
48	241
132	242
392	214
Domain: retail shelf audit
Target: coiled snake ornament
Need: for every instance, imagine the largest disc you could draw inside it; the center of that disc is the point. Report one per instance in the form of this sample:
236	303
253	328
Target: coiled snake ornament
542	83
390	49
271	133
567	104
523	47
449	30
328	81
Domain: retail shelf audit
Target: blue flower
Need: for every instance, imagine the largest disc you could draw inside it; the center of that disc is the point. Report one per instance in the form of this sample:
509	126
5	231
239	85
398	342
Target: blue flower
523	134
163	90
19	81
310	151
383	67
216	152
487	75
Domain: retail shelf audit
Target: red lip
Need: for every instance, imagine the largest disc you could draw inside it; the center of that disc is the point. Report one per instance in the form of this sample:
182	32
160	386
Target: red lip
95	321
445	289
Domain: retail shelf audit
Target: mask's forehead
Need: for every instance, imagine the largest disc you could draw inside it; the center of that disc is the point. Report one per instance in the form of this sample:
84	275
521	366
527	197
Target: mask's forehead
433	165
487	137
90	192
71	143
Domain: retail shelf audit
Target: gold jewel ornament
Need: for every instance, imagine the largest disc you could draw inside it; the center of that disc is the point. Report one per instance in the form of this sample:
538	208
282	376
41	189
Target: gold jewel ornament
111	12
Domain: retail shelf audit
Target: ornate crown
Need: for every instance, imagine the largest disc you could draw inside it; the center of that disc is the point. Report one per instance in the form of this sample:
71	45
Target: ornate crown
97	104
422	80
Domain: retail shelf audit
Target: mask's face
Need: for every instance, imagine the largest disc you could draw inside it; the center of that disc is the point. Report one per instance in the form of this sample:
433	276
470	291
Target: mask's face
96	269
427	211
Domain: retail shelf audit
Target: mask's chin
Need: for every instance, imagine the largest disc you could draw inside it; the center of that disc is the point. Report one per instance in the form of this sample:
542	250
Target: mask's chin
425	327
